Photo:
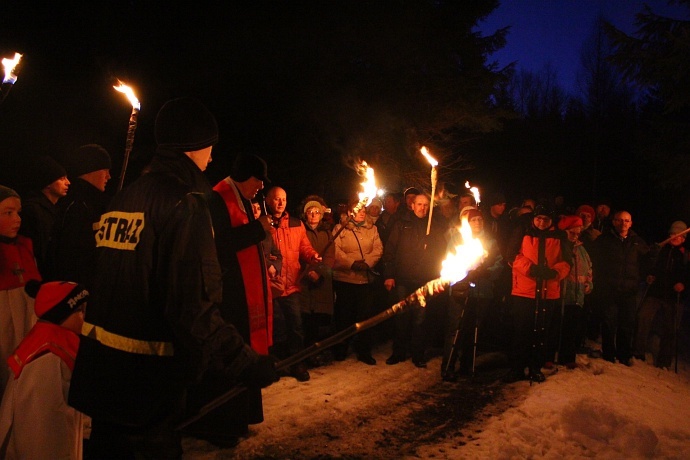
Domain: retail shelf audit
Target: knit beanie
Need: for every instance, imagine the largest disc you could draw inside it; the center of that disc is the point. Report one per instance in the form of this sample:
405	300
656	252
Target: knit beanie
569	222
87	158
411	190
313	204
677	227
467	209
56	300
495	198
46	171
376	202
473	213
6	192
185	124
587	209
246	166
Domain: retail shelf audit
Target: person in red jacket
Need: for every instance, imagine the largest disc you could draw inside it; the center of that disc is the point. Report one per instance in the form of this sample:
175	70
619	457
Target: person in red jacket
538	270
290	237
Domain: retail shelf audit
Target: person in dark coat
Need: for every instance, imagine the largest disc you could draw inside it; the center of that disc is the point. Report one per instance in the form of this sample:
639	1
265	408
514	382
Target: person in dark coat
411	258
470	299
72	246
618	255
665	296
153	327
246	297
39	206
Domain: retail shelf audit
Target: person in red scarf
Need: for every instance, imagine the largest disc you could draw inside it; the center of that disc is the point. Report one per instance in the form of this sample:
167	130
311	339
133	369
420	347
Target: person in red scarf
247	302
35	420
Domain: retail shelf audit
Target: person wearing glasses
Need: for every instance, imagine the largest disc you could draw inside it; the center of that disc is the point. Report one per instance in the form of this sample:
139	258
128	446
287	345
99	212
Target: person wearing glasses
316	280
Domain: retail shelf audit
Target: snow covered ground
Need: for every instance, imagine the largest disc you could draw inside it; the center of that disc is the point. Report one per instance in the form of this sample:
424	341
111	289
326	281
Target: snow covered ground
350	410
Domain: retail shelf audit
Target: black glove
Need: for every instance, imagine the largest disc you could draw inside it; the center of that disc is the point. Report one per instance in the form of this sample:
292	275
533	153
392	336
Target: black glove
549	273
359	265
261	373
535	271
476	274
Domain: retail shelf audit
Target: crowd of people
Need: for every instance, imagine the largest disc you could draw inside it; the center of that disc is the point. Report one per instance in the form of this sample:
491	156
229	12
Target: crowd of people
139	310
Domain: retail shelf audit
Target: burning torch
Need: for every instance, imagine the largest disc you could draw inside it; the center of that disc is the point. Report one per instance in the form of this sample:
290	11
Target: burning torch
127	91
434	179
10	66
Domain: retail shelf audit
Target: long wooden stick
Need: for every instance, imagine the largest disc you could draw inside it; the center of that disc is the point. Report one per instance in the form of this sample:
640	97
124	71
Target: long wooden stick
417	297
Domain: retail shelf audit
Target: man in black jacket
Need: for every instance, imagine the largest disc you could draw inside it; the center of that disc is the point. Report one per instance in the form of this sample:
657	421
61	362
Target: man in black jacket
618	255
72	246
411	258
153	326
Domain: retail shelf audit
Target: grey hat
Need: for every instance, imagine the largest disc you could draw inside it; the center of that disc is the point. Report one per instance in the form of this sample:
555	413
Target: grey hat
677	227
6	192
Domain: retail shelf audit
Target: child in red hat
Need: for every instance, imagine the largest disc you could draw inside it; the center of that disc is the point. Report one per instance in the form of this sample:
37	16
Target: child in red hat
35	420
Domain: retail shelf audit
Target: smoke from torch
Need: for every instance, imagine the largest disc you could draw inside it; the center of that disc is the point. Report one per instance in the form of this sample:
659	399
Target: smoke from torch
136	106
10	66
475	192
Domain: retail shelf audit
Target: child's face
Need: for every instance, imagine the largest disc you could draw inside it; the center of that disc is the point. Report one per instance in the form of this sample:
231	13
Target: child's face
9	216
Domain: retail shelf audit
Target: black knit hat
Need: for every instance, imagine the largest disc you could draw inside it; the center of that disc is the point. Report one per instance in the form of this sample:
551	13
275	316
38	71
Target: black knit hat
246	166
494	199
87	158
185	124
46	171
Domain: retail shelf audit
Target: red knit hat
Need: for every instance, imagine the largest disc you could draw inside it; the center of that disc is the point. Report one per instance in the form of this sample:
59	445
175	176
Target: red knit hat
568	222
56	300
587	209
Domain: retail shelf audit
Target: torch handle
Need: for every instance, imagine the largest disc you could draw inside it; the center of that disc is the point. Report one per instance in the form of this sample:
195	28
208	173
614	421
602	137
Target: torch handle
673	236
128	145
5	90
434	177
418	296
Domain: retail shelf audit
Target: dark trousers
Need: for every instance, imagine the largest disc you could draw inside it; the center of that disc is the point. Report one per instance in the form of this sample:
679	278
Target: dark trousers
353	303
288	335
669	311
530	321
566	334
410	336
618	324
113	441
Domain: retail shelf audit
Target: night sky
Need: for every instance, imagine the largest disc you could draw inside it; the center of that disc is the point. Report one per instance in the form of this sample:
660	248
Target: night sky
553	32
266	69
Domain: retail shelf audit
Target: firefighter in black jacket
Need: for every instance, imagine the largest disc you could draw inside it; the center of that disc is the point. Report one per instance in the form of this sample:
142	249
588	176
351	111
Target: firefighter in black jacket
153	326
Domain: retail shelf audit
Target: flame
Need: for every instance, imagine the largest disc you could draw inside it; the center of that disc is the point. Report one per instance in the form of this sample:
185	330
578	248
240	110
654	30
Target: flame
468	256
127	91
369	189
10	65
428	157
474	190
